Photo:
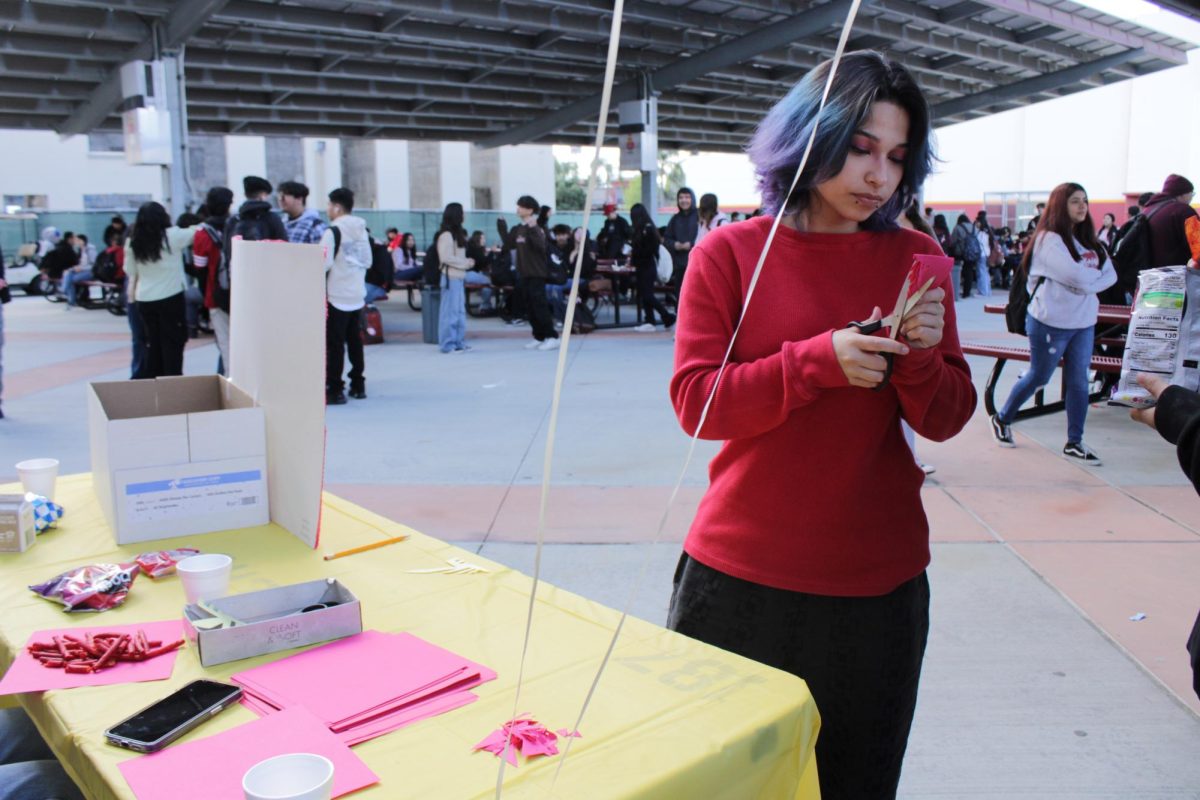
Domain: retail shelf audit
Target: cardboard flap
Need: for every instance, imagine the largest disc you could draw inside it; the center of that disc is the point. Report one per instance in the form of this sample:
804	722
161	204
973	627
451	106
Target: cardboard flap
277	357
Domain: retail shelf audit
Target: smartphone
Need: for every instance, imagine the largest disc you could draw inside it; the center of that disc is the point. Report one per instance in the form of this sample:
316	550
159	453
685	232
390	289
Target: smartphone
156	726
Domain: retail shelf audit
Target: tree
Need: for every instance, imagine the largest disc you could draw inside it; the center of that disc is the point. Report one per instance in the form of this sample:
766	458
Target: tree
569	194
671	177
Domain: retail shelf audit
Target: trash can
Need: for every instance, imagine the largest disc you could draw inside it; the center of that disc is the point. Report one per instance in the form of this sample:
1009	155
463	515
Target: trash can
431	303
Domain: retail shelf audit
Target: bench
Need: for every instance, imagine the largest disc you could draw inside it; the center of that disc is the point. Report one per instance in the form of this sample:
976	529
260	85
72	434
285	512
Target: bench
1003	353
500	293
413	290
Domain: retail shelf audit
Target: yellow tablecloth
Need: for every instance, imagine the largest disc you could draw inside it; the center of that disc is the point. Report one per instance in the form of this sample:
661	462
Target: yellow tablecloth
672	718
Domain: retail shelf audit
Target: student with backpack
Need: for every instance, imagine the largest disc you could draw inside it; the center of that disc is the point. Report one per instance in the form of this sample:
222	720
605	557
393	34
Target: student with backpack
1064	267
212	268
347	258
964	248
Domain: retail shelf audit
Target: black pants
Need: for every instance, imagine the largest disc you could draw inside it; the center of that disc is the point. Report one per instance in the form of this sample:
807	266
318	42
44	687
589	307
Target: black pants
165	325
342	334
538	307
969	277
861	658
647	274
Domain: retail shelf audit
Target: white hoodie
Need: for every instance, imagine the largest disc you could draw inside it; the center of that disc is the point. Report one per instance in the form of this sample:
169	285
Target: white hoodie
1067	298
346	273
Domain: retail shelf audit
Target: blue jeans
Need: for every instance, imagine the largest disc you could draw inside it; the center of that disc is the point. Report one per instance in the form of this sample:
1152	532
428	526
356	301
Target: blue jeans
984	282
452	316
410	274
1046	346
373	293
479	279
28	769
69	278
138	365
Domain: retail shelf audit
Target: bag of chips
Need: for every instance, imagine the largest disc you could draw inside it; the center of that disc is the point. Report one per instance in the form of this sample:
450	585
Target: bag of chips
162	562
96	587
1164	334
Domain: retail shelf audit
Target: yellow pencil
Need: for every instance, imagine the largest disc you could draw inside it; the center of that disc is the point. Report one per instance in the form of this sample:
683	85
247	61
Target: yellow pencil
364	548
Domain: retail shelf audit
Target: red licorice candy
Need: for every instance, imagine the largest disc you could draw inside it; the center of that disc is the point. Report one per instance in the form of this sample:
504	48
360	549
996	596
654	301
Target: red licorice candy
97	652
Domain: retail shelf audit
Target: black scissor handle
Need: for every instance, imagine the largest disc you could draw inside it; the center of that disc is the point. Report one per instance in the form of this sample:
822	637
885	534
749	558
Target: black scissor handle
867	329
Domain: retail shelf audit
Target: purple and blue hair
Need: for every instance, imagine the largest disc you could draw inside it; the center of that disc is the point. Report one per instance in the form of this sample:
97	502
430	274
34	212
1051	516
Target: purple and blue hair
863	77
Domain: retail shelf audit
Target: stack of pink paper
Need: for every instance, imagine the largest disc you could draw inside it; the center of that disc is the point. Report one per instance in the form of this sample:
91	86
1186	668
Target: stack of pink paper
366	685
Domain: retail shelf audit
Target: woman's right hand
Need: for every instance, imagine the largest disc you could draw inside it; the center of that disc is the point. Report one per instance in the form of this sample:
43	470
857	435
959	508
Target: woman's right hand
859	355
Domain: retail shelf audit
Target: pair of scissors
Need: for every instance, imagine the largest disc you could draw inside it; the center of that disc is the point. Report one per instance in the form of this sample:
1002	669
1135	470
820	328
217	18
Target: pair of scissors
892	321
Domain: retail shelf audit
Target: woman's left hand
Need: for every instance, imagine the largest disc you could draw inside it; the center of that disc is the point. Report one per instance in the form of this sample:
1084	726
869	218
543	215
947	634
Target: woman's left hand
922	325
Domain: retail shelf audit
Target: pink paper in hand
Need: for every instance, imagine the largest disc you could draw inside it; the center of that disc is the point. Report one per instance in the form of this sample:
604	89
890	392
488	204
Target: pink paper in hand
28	675
214	766
926	266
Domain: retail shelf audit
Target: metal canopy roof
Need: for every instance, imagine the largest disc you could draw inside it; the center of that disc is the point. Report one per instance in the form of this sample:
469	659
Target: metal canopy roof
509	71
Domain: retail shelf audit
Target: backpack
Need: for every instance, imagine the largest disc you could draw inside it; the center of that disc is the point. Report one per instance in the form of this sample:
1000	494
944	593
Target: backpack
1019	299
585	321
1131	250
971	252
382	272
431	267
105	268
664	264
556	270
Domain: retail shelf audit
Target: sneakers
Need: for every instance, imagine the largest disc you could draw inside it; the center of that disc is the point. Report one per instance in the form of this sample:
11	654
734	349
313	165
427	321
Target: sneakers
1080	452
668	321
532	344
549	344
1002	432
359	394
335	399
645	327
928	469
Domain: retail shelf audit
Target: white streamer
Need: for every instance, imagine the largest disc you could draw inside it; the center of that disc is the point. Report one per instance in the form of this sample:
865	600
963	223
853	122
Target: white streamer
837	57
610	66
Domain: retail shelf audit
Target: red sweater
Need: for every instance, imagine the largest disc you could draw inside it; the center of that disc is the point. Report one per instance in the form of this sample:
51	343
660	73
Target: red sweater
815	489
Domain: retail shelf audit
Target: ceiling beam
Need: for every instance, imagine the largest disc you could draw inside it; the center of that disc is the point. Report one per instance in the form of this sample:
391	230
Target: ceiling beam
185	20
733	52
1030	86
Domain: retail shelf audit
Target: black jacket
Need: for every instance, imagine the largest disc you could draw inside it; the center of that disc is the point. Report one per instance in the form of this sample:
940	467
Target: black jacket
60	259
530	243
260	214
613	238
1168	242
682	228
645	248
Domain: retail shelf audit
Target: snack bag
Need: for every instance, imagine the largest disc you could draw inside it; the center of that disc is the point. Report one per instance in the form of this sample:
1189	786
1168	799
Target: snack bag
1164	334
96	587
162	562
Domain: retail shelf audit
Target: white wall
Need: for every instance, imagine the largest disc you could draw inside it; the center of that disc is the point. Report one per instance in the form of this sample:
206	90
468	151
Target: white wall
456	174
244	155
526	169
391	172
1117	139
38	162
322	170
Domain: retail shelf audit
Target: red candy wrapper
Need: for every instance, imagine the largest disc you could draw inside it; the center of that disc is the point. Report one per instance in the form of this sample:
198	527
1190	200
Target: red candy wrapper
96	587
162	562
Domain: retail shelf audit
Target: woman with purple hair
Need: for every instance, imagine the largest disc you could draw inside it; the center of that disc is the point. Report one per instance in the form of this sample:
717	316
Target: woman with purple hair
808	551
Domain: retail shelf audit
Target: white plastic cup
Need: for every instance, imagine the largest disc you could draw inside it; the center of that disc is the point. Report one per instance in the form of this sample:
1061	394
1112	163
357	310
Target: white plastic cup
38	475
205	577
294	776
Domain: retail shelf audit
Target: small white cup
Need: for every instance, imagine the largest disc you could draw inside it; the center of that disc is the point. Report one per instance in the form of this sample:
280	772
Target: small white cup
38	475
205	577
294	776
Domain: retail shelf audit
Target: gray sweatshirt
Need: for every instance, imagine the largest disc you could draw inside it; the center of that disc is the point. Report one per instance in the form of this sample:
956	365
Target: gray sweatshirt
1067	298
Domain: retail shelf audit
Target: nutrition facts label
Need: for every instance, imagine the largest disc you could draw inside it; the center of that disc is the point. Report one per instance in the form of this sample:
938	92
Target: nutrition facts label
153	501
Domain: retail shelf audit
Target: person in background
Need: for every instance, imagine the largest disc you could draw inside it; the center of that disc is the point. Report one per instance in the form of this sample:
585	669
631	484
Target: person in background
347	259
28	767
303	225
115	226
155	281
451	244
1168	213
680	235
963	251
983	234
78	273
735	216
208	251
255	219
480	274
941	232
404	256
710	217
614	236
1037	217
5	298
784	562
193	289
393	238
530	241
912	219
644	258
1065	267
61	257
1107	235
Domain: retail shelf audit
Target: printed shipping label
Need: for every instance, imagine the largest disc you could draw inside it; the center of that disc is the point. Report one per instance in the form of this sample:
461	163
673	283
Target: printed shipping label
154	501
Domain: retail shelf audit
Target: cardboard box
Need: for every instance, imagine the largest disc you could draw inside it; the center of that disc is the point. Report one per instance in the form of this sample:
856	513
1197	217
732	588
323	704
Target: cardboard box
177	456
271	620
17	531
186	455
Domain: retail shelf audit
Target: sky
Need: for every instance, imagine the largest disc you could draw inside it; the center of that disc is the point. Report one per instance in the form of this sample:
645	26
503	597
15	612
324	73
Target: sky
731	177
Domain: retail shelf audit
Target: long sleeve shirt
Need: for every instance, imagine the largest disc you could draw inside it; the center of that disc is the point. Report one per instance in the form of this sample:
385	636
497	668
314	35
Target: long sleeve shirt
452	257
814	489
1067	298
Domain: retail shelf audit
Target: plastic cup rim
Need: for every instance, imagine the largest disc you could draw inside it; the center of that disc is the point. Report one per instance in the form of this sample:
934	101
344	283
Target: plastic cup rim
37	464
328	773
198	570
